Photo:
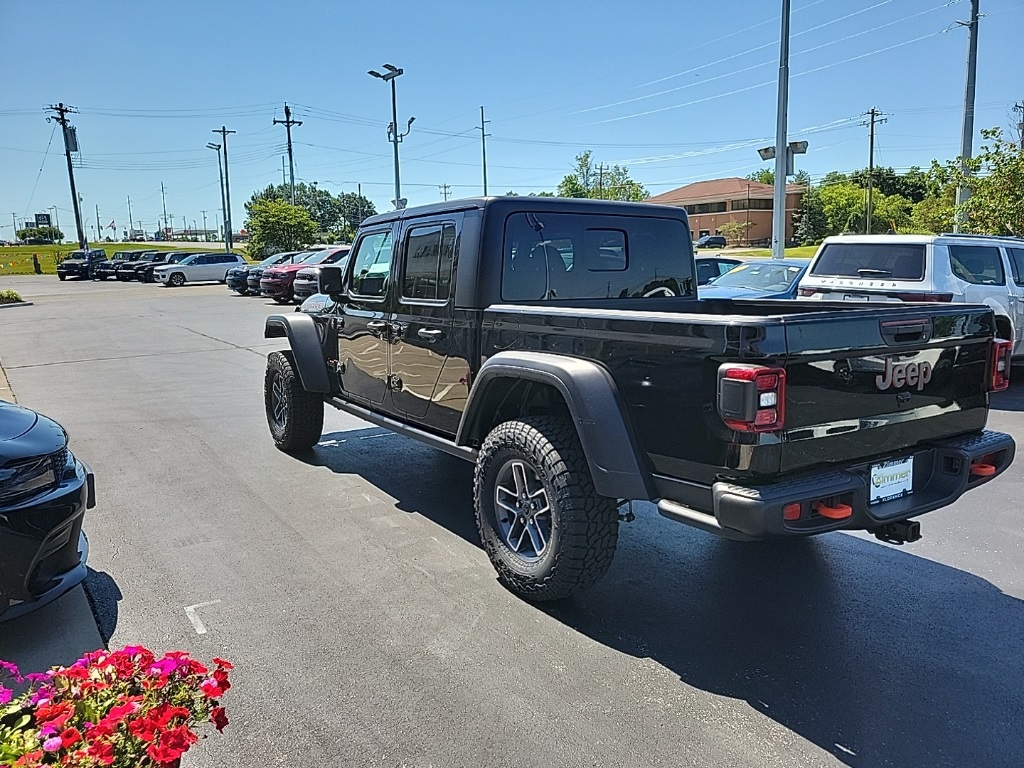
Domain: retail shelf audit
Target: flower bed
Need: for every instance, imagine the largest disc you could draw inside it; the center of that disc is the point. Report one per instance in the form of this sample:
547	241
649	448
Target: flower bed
123	708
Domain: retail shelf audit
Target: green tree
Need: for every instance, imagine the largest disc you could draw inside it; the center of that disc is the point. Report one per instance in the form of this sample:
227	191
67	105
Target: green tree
600	182
933	215
735	230
996	180
765	176
811	222
841	203
275	225
322	206
354	209
49	234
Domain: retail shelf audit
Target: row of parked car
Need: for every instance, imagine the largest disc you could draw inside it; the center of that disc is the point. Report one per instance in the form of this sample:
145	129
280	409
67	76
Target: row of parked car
174	268
284	277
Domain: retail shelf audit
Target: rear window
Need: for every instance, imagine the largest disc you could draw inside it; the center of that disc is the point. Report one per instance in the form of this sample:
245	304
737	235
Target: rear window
581	256
893	261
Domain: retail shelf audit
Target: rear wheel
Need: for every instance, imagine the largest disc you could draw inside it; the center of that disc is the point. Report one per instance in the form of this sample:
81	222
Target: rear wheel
295	416
542	524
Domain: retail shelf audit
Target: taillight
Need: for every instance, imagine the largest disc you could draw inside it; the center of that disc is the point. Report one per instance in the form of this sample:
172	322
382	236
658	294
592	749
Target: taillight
1000	365
752	398
807	291
945	297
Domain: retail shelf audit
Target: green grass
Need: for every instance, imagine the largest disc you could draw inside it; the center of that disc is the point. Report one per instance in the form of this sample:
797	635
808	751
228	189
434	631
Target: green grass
17	259
801	252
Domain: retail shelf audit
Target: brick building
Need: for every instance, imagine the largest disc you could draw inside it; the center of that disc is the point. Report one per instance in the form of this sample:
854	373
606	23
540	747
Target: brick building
710	204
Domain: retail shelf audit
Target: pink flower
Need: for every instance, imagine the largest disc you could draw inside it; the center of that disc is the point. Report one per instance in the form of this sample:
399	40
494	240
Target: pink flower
52	744
6	694
211	688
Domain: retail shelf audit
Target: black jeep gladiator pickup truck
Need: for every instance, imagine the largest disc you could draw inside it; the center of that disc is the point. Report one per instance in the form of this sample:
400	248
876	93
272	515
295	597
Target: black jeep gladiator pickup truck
560	345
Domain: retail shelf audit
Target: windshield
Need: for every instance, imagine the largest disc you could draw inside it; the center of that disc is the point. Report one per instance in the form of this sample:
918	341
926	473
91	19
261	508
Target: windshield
760	277
76	255
278	258
149	257
178	257
322	257
895	261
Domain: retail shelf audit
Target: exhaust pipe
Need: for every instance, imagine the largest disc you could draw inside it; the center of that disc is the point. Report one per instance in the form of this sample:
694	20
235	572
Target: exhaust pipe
902	532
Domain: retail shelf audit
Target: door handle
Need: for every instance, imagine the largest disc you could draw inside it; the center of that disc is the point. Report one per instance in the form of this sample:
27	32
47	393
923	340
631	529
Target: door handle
377	327
429	334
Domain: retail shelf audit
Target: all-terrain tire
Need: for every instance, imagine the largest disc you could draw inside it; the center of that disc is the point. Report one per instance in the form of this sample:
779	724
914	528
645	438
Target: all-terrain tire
583	526
62	277
295	416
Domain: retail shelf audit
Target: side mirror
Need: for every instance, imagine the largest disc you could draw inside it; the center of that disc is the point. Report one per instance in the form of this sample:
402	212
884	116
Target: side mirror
330	279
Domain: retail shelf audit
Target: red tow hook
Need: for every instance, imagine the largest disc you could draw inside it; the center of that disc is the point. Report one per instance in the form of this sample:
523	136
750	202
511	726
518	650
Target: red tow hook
983	470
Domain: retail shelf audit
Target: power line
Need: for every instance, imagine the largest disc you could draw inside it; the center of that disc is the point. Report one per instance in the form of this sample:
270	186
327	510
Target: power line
38	175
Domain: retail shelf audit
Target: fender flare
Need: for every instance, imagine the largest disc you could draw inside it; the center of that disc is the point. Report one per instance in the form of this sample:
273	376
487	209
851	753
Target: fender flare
304	340
596	408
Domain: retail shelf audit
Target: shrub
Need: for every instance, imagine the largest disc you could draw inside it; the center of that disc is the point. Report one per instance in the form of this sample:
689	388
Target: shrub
8	296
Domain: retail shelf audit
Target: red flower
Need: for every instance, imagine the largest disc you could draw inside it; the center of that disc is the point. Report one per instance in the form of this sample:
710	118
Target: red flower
119	712
172	745
102	751
211	688
219	718
70	737
30	758
223	664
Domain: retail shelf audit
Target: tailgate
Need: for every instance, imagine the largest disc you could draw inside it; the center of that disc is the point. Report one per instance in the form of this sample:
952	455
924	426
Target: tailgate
874	382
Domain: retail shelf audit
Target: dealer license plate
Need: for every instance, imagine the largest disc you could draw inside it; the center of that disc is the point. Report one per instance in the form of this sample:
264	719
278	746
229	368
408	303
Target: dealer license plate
892	480
856	297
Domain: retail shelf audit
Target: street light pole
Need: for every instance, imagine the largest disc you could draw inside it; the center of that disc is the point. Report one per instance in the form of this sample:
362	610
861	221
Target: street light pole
223	200
393	133
781	145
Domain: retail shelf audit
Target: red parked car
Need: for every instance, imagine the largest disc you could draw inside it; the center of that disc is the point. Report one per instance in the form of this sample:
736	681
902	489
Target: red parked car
277	281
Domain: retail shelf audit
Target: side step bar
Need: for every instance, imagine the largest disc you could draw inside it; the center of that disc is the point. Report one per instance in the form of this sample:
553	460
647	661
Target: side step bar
434	441
675	511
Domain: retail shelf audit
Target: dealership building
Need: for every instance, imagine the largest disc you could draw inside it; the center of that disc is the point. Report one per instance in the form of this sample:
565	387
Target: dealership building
710	204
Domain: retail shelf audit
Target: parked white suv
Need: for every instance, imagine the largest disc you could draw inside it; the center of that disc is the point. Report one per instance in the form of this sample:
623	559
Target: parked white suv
198	268
969	269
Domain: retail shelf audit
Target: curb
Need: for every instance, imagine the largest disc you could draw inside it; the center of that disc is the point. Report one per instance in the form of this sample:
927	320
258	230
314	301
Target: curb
16	304
6	393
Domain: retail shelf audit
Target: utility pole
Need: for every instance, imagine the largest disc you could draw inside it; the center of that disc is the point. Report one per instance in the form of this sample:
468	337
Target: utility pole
287	123
967	130
206	238
163	200
224	133
600	181
781	145
99	230
14	218
1019	107
223	201
445	189
877	117
130	225
284	172
70	145
483	145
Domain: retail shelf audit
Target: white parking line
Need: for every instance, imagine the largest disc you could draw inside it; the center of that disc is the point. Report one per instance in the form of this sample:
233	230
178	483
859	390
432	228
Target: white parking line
190	611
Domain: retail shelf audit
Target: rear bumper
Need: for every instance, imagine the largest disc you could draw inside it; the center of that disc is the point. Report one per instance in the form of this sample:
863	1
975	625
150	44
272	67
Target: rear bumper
43	550
942	474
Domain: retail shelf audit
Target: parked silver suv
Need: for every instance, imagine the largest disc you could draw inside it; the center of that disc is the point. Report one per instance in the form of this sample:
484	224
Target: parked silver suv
969	269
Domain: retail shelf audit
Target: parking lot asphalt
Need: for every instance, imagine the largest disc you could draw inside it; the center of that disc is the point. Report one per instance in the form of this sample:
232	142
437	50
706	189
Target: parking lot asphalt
367	627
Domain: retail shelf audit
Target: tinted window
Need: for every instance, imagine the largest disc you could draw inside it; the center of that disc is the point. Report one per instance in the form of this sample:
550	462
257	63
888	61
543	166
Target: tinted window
570	255
1017	262
372	264
895	261
978	264
429	254
706	271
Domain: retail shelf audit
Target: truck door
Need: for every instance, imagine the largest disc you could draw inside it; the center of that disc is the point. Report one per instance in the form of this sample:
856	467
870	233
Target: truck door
423	318
364	337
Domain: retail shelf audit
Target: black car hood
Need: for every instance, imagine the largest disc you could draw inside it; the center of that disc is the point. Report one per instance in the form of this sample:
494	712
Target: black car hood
25	433
73	262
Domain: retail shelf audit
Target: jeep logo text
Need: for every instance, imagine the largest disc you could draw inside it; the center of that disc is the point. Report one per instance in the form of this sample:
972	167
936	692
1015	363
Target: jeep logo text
904	374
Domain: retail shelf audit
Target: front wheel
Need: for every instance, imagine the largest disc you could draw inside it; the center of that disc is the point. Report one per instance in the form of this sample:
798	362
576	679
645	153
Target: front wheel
176	280
542	524
295	416
61	277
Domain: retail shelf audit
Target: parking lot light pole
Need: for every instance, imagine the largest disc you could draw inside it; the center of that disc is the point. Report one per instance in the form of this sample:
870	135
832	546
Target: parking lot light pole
223	202
393	134
781	155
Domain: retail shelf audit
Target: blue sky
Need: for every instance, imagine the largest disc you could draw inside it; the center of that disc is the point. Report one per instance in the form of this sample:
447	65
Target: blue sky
678	91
